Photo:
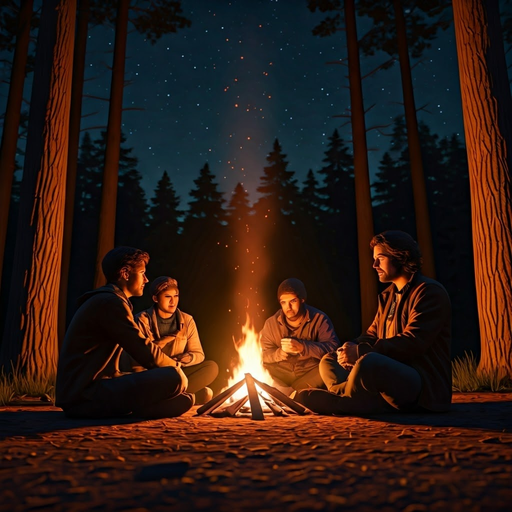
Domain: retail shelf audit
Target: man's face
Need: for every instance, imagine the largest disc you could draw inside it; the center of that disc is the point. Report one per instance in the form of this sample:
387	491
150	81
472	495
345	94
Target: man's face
291	306
167	301
388	272
136	279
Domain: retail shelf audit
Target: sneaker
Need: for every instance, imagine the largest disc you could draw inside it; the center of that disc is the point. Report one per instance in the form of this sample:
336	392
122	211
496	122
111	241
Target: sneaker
203	395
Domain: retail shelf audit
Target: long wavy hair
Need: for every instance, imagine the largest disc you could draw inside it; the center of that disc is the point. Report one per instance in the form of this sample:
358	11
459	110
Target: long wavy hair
402	248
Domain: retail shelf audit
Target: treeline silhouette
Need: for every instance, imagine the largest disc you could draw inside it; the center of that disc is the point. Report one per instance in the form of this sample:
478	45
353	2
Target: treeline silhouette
230	254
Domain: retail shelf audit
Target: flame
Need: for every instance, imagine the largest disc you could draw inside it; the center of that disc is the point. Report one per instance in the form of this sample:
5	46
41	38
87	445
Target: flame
250	359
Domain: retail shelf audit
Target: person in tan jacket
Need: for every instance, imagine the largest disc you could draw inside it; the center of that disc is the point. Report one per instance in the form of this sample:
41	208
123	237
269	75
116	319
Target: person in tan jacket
295	338
89	381
402	362
175	332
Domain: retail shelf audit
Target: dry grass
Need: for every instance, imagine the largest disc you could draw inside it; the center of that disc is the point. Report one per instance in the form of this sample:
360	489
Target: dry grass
466	377
16	385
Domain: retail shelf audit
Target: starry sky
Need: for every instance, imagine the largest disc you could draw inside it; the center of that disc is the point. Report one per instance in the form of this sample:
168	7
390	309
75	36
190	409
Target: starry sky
244	74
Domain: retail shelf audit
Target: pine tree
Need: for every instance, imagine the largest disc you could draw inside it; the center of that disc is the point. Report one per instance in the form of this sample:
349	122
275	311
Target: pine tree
207	201
278	189
204	232
158	18
337	175
31	339
204	269
12	117
239	208
164	227
339	240
451	210
132	206
407	37
310	198
393	200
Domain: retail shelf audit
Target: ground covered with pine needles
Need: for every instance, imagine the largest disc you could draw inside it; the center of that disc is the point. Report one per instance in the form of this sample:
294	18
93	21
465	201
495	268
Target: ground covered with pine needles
459	461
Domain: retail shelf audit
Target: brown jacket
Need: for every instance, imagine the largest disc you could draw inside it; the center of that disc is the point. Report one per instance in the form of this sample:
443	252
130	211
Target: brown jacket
102	327
423	340
316	333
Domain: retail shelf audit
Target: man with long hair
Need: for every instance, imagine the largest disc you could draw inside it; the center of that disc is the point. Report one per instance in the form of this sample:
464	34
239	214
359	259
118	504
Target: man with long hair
89	383
402	362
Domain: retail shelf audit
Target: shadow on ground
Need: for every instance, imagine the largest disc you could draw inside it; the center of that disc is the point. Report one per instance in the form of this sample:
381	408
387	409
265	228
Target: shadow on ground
493	416
496	416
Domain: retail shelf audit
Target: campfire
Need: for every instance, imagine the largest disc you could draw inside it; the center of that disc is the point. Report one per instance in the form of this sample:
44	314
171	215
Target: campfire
251	372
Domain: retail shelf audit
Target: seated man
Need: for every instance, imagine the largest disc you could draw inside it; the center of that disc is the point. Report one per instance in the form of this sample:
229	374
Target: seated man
402	363
89	383
295	339
175	332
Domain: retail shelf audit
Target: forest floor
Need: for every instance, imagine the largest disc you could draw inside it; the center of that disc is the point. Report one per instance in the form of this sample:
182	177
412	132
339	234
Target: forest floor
458	461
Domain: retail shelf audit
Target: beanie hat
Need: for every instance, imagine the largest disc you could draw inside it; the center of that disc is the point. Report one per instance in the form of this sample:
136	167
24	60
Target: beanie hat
292	285
162	283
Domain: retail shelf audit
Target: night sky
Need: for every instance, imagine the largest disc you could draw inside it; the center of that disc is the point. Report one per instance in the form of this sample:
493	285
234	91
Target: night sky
243	74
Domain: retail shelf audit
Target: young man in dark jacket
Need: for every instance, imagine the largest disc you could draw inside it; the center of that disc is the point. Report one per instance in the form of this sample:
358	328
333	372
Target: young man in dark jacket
89	383
402	362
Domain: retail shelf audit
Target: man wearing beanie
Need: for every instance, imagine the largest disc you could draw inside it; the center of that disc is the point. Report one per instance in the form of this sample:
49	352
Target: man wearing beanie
175	332
295	339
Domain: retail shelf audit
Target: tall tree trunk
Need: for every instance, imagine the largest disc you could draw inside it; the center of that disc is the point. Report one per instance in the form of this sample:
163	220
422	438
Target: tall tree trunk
424	233
74	142
487	109
12	120
367	277
107	225
30	340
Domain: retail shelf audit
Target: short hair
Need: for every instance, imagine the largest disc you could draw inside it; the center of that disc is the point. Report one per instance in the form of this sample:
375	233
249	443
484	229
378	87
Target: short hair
402	248
122	258
161	284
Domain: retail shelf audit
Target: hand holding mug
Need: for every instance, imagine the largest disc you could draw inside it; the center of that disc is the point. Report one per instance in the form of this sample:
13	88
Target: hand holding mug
291	346
347	355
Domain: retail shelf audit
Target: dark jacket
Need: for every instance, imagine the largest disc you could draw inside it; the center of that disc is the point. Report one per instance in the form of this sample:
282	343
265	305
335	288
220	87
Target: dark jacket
102	327
424	339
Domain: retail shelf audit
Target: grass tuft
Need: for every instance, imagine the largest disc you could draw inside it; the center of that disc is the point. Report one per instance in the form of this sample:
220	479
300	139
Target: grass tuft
16	385
466	377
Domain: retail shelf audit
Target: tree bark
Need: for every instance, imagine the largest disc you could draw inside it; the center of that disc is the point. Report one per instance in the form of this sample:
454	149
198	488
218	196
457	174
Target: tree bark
424	233
12	120
106	234
30	340
487	110
367	277
74	142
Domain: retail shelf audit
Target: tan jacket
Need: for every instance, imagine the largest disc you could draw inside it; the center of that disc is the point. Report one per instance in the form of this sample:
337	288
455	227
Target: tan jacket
423	340
316	334
185	342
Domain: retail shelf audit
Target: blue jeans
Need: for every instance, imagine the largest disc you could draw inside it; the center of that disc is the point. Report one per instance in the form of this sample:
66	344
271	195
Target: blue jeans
376	384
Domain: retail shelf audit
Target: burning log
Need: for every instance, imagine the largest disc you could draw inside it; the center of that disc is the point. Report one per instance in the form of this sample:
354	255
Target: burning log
276	406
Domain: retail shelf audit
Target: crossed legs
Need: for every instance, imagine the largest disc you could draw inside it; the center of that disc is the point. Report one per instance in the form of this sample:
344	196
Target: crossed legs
376	384
155	393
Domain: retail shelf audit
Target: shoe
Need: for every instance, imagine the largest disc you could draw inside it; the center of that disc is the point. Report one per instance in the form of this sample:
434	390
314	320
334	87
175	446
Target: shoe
203	396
